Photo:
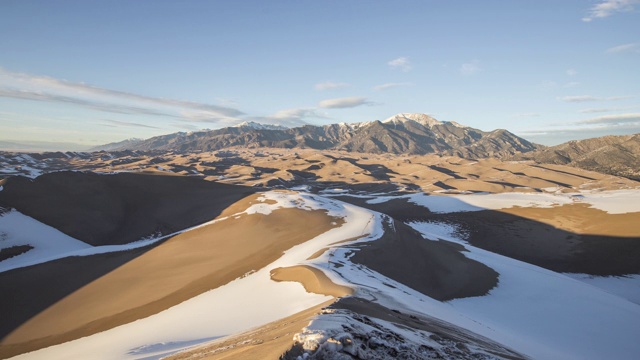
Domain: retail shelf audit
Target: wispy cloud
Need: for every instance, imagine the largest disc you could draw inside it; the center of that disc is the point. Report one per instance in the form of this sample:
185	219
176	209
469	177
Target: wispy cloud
470	68
87	103
388	86
129	124
607	8
342	103
613	119
44	88
184	126
572	72
624	48
578	98
401	63
290	117
330	85
589	98
596	110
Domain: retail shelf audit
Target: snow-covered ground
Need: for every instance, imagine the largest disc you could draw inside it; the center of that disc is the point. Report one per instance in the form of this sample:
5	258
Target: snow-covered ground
627	287
244	303
537	312
48	243
612	202
545	314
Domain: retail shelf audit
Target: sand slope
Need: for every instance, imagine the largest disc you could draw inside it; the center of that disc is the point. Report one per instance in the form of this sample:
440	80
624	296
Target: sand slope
150	281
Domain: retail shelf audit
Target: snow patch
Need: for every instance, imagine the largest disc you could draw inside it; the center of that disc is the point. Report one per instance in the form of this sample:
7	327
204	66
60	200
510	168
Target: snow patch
48	243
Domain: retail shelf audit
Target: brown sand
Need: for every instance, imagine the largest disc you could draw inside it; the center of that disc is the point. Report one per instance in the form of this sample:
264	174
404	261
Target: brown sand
266	342
429	172
179	269
314	280
582	219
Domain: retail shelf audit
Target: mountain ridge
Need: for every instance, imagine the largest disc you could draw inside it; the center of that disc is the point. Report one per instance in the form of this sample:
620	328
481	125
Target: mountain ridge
404	133
617	155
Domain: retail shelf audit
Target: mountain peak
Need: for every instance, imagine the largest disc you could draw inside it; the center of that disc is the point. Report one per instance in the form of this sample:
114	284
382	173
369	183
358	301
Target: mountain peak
423	119
258	126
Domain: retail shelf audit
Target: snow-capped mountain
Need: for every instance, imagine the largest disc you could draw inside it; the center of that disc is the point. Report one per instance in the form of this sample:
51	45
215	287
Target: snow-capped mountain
400	134
258	126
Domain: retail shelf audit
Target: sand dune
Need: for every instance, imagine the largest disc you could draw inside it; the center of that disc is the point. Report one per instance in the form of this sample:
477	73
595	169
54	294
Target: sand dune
274	167
69	298
176	270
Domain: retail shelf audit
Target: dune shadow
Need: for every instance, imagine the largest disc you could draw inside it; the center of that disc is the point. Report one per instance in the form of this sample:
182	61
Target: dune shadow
99	210
524	239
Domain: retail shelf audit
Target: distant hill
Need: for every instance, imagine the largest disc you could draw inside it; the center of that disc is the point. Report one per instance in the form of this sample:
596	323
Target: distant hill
124	144
33	146
399	134
615	155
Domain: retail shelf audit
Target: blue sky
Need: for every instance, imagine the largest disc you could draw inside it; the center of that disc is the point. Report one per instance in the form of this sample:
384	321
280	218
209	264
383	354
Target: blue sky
92	72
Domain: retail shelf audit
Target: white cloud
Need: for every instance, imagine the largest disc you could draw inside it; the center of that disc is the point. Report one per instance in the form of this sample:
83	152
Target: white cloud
390	86
401	63
571	84
607	8
624	48
329	85
470	68
572	72
341	103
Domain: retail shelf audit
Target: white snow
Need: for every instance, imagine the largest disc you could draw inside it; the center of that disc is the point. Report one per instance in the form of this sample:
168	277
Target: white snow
542	313
476	202
244	303
627	287
51	244
438	230
612	202
258	126
48	243
422	119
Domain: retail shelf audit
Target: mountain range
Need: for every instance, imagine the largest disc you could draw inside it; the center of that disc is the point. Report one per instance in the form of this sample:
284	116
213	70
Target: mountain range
614	155
414	134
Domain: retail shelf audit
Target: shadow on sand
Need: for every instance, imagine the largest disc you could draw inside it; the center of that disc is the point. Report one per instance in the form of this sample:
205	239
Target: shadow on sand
99	210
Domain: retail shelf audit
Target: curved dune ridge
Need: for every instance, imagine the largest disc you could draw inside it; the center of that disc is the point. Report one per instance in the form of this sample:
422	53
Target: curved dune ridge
313	280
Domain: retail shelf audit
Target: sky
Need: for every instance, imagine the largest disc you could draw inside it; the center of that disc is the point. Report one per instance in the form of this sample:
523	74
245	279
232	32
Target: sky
88	72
